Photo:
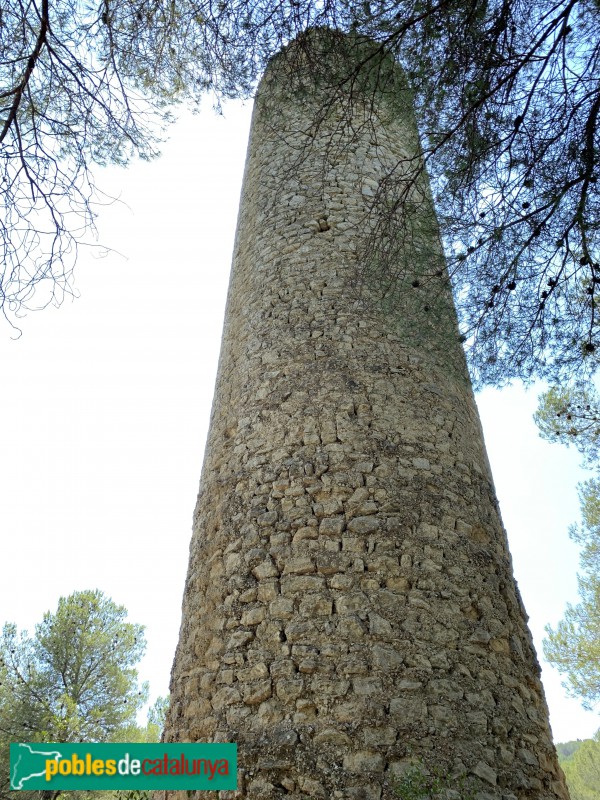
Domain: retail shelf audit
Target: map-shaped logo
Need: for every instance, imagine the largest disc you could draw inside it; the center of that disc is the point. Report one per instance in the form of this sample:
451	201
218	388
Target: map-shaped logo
28	763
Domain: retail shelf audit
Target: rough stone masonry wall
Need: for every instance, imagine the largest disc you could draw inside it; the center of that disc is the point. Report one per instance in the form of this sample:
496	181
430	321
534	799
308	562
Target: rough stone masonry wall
350	607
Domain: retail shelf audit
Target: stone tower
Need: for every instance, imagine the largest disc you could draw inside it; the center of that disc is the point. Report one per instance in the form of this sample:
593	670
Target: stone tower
350	610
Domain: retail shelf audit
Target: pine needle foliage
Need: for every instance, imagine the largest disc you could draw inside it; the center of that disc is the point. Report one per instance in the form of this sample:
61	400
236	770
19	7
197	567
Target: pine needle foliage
507	99
74	680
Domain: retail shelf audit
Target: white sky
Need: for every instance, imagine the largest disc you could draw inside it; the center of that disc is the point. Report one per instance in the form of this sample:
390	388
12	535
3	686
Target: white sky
105	404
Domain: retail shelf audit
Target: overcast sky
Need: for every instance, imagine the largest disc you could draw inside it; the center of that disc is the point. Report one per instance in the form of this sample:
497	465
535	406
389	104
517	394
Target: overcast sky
105	405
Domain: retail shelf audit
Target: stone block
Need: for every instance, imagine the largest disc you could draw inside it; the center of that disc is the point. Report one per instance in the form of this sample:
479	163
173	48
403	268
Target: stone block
332	526
312	788
281	608
267	519
332	563
253	673
353	544
326	688
383	736
301	584
485	772
239	639
268	590
308	665
351	603
316	606
341	582
444	716
363	526
288	690
406	685
362	792
363	761
261	789
225	697
406	710
253	616
350	628
527	757
386	658
301	565
301	630
265	569
477	721
332	736
249	596
378	626
255	693
398	583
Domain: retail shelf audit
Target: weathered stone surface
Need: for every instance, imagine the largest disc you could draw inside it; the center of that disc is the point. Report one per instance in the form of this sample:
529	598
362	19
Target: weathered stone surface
333	736
406	710
363	761
332	526
257	692
350	607
364	525
484	771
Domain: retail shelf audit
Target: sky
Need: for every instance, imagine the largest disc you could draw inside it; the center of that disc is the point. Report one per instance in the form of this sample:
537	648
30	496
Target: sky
105	404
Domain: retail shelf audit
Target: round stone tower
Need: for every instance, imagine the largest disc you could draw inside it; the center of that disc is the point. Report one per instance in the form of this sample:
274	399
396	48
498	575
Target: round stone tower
350	616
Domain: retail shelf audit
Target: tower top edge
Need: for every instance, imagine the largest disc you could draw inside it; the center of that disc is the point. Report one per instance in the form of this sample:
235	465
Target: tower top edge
333	59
